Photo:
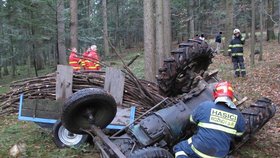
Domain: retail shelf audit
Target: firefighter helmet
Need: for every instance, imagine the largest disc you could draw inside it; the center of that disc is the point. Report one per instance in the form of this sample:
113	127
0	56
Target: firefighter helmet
223	89
223	92
235	31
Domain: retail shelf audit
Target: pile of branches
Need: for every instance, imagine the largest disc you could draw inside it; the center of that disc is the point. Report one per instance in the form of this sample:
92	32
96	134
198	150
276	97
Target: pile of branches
44	88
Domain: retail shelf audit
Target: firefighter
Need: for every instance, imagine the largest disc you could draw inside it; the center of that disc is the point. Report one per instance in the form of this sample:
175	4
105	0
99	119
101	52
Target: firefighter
93	59
74	60
236	52
218	122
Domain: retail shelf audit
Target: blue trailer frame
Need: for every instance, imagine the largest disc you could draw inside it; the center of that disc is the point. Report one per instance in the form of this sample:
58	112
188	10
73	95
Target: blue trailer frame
53	121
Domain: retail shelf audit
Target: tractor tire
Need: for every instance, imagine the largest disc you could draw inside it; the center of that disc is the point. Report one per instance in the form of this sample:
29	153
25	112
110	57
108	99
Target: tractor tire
151	152
87	107
178	73
255	116
63	138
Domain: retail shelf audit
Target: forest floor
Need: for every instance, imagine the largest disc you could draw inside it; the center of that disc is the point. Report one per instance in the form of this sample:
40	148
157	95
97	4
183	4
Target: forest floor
263	80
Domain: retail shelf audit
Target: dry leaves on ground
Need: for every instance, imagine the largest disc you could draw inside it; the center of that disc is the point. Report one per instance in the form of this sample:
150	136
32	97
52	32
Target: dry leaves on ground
263	80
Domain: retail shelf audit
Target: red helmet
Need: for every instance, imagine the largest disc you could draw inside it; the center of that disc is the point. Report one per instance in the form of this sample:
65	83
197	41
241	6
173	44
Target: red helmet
223	89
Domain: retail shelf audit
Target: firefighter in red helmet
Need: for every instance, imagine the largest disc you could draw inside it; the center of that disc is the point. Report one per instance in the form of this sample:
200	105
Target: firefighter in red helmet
218	122
74	60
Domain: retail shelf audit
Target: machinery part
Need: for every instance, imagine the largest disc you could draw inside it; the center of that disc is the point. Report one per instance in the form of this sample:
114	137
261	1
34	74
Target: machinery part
258	114
158	104
255	117
166	128
87	107
63	138
98	132
151	152
178	73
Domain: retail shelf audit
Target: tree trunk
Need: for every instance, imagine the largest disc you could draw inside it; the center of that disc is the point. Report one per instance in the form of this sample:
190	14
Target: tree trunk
159	34
1	59
60	33
39	58
11	47
149	40
192	19
90	5
261	28
279	21
252	56
184	36
270	24
6	71
29	61
229	27
73	24
167	27
117	24
105	28
33	50
13	59
55	54
1	64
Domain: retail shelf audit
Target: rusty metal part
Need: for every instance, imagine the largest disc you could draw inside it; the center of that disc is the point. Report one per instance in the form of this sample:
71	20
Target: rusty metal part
104	138
96	142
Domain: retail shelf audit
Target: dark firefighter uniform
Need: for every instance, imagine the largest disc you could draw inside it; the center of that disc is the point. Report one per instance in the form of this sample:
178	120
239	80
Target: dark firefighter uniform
236	51
217	126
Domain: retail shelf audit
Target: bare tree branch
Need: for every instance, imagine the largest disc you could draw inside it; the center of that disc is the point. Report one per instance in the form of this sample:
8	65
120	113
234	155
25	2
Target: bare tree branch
270	16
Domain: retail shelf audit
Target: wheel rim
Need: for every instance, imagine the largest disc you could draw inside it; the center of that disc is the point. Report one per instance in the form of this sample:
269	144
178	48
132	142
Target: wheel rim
68	138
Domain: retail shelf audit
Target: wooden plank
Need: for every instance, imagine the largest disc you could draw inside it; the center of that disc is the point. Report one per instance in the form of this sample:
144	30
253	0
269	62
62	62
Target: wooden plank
114	83
64	79
42	104
40	114
241	101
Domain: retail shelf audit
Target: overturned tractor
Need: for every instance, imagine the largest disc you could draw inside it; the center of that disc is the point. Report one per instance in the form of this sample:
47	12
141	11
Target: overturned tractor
154	133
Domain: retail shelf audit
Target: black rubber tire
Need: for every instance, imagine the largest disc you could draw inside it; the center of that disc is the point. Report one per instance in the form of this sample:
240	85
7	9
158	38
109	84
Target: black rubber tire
73	141
87	107
178	73
151	152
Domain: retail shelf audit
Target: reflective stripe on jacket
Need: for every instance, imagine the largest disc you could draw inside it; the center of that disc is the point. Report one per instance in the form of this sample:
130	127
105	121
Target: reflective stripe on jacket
236	46
217	126
74	61
93	61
